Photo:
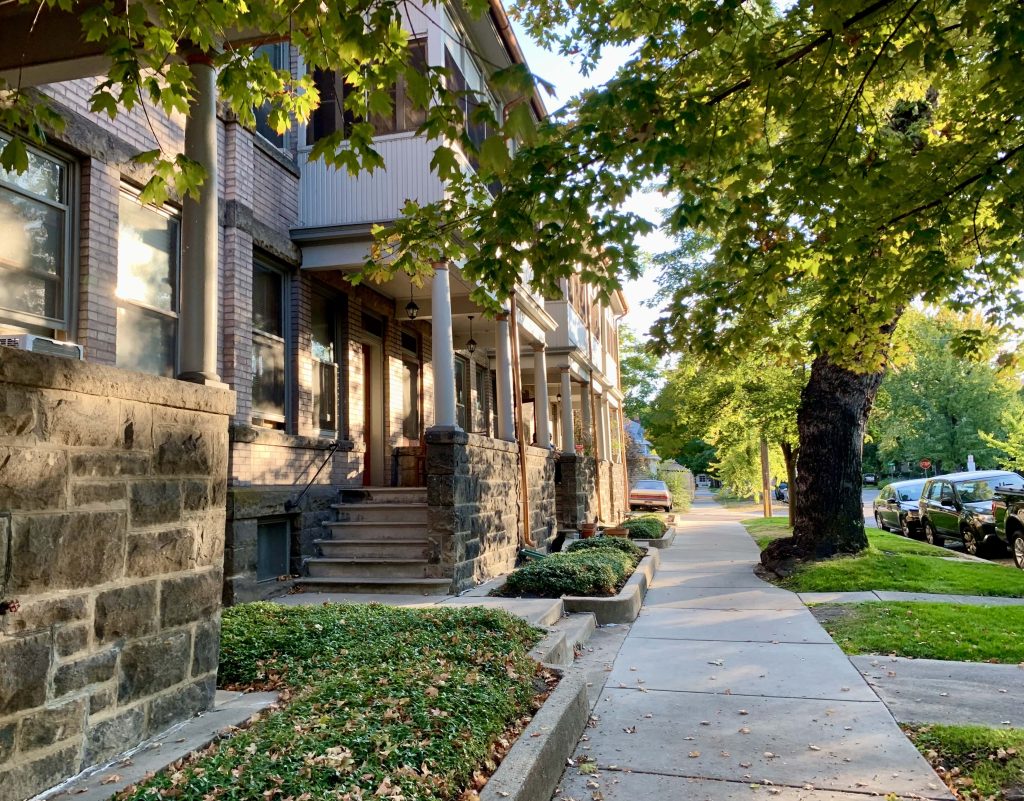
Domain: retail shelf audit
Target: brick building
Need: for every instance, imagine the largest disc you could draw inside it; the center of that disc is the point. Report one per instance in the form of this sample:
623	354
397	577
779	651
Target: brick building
371	437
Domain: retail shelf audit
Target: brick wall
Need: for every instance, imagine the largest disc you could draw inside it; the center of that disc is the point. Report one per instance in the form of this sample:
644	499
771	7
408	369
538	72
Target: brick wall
112	509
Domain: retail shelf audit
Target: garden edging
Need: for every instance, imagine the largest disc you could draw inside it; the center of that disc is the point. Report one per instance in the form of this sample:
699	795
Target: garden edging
625	606
533	766
663	542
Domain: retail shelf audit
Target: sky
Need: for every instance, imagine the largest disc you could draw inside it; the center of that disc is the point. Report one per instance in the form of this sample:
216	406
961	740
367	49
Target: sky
568	82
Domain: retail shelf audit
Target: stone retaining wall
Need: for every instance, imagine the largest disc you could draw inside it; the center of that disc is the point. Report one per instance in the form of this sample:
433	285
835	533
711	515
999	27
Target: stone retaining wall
112	514
474	509
540	480
574	492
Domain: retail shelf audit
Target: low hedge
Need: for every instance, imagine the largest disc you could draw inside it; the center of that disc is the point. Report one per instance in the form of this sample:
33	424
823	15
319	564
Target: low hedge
645	528
590	571
628	547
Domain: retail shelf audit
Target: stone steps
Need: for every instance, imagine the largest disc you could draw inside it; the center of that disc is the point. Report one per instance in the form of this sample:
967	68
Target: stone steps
374	567
381	512
412	548
393	586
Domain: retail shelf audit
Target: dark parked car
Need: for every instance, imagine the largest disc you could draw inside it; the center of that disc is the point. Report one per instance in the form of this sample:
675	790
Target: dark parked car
782	492
1008	511
870	478
959	505
896	507
650	495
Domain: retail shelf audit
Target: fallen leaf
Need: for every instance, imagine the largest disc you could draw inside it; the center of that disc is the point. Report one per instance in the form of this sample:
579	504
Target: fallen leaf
113	777
814	748
694	754
744	730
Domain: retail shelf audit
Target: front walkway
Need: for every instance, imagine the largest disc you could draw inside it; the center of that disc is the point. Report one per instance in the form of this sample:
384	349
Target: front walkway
727	688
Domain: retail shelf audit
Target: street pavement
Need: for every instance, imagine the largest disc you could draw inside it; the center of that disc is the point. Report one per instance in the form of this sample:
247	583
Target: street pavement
727	688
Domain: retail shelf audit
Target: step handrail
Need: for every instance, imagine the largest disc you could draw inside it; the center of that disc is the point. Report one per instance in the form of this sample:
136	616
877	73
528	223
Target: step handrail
292	504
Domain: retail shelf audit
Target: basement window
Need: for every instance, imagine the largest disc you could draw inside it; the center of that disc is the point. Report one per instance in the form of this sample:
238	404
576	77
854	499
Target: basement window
273	549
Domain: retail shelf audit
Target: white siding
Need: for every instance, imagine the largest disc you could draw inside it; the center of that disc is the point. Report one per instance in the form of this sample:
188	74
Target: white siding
332	197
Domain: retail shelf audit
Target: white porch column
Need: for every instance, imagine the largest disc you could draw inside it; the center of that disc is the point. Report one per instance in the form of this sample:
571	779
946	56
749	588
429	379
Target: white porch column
587	416
568	439
606	427
200	237
599	449
540	388
506	427
443	353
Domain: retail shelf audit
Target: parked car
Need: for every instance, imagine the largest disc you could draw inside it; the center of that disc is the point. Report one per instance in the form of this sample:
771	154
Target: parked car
650	495
1008	512
896	507
782	492
870	478
959	505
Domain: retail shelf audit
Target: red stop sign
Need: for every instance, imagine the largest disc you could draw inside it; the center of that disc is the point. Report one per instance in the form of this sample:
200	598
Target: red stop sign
925	463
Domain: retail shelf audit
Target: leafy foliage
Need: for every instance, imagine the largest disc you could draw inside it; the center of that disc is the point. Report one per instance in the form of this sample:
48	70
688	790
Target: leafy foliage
938	401
928	630
593	571
385	701
641	375
645	528
678	484
631	549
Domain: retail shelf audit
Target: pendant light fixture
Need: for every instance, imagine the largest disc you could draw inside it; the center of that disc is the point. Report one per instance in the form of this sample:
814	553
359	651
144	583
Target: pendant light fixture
411	308
471	345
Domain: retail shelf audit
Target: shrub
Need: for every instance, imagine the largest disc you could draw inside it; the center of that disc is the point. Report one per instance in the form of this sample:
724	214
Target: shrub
592	571
645	528
679	485
631	549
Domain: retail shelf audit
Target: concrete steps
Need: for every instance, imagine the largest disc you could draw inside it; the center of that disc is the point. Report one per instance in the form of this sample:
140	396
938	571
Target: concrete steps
413	512
393	586
378	529
378	544
412	548
372	567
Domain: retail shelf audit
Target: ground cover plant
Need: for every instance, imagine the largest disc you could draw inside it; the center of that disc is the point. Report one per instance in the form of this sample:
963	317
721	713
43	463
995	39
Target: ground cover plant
975	762
895	563
378	702
927	630
627	547
646	527
596	571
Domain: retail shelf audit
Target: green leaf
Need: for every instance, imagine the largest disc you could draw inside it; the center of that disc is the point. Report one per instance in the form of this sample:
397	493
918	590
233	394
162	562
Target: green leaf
14	156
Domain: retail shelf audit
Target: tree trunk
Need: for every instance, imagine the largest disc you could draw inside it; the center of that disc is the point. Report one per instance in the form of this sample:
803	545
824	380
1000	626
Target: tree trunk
789	455
828	516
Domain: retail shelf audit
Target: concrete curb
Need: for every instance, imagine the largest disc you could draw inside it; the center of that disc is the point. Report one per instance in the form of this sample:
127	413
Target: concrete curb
533	767
624	607
662	542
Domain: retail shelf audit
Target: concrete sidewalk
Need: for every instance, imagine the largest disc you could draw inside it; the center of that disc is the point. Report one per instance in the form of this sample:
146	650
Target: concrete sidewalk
871	596
727	688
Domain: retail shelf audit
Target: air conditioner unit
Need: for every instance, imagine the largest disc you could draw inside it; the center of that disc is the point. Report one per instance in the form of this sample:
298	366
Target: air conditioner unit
37	344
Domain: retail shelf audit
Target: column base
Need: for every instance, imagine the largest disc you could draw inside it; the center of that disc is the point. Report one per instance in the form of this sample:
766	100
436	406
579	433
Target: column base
206	379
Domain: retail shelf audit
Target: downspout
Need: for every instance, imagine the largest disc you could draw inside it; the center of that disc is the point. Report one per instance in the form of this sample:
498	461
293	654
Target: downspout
517	393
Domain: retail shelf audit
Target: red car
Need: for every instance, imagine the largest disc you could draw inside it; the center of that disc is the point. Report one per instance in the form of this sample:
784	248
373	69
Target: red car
650	495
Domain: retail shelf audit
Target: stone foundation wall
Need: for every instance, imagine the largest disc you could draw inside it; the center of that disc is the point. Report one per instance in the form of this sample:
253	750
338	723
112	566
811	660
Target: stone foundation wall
575	495
604	477
618	493
474	512
112	511
247	507
409	466
540	480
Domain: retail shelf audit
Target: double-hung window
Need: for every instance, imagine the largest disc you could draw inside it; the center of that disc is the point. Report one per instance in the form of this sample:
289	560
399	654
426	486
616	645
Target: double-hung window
332	115
277	55
461	392
35	242
326	357
268	345
147	287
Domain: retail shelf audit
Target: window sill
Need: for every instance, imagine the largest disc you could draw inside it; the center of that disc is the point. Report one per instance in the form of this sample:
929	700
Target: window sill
251	435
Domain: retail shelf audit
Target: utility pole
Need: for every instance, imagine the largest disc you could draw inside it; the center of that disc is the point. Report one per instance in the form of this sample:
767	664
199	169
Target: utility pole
766	489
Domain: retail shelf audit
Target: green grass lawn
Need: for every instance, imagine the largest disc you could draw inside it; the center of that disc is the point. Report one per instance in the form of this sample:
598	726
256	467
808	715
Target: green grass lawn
893	563
927	630
988	762
380	702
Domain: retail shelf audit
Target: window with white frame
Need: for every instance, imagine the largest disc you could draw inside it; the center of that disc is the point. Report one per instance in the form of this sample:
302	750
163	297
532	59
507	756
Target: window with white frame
148	266
35	245
269	367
